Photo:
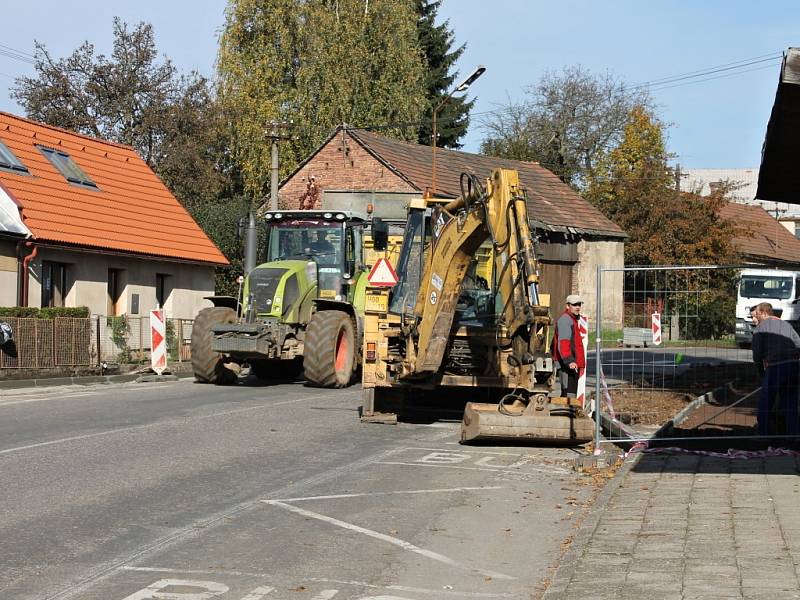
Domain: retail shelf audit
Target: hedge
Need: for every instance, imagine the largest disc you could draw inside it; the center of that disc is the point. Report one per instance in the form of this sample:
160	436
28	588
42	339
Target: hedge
29	312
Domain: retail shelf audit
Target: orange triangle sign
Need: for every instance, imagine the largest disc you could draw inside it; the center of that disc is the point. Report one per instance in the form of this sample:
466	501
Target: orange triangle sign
382	274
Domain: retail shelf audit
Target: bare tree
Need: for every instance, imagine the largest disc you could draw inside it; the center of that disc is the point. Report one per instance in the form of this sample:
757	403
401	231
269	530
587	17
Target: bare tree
566	121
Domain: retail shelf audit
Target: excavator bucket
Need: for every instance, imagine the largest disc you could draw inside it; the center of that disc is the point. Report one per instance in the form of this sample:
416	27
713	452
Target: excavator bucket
486	422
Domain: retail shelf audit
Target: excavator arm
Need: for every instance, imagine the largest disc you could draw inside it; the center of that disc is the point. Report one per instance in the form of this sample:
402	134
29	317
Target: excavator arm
497	213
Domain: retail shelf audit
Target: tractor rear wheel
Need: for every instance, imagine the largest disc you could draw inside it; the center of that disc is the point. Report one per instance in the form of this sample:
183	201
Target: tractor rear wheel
329	349
207	365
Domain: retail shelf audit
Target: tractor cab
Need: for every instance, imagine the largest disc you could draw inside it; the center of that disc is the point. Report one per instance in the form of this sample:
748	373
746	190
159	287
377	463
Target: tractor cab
330	243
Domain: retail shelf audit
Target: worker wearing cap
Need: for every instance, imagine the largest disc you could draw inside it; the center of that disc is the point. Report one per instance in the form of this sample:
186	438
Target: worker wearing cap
568	346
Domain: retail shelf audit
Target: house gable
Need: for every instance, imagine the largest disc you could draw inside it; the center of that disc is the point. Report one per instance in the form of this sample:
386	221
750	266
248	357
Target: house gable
130	210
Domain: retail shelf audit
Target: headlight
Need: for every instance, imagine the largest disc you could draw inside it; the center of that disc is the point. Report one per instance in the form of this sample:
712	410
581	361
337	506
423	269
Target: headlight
311	270
328	215
268	216
278	215
340	216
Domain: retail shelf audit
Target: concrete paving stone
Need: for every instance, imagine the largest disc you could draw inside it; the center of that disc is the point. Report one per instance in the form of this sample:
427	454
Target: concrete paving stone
701	570
711	596
779	582
760	594
653	577
649	566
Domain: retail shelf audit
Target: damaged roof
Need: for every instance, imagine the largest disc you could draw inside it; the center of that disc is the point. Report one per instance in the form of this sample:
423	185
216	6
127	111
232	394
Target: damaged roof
779	179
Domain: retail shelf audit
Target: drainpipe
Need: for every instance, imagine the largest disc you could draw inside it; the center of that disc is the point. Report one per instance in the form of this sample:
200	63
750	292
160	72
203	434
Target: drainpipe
25	277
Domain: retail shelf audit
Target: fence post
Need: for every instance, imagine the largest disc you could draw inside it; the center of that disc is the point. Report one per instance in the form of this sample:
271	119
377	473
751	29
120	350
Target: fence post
597	362
99	350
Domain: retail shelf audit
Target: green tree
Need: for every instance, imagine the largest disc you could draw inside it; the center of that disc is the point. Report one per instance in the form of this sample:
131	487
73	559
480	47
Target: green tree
436	43
566	122
133	98
317	63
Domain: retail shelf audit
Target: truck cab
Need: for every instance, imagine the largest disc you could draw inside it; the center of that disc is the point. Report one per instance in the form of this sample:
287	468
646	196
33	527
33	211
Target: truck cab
780	288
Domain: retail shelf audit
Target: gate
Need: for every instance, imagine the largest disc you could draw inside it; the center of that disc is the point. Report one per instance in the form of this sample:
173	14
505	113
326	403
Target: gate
670	366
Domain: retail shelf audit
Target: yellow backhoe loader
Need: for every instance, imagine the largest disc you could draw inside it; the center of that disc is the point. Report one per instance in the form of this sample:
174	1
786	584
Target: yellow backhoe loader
444	334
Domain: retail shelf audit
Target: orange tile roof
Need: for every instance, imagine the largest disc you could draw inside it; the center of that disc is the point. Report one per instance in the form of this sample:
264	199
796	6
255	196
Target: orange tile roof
131	211
770	240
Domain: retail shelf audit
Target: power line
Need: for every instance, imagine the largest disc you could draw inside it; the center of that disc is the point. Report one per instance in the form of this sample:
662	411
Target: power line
20	52
732	66
16	56
668	87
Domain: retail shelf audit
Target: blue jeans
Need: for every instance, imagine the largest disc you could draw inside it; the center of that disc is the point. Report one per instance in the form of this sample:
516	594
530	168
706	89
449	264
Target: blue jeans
779	381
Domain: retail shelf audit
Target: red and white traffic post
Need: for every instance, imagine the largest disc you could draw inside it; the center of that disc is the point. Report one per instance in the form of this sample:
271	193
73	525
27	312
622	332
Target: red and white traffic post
158	339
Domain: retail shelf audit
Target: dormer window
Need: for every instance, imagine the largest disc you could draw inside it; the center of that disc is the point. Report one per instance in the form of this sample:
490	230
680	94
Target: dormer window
67	167
9	162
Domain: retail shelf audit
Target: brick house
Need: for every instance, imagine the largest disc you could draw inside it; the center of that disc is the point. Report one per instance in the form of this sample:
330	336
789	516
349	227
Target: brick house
770	245
92	225
575	237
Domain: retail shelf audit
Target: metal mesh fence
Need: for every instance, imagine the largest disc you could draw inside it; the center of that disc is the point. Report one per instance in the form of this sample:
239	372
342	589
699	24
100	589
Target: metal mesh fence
68	342
672	365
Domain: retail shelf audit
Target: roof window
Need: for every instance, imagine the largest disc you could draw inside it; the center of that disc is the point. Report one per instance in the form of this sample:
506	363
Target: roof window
67	167
9	162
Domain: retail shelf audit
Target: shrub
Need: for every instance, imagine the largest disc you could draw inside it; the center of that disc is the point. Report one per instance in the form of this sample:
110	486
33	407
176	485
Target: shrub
31	312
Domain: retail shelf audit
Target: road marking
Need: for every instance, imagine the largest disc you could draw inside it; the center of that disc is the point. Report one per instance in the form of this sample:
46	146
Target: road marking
326	581
159	423
260	592
549	470
391	540
433	491
153	590
105	570
470	451
22	398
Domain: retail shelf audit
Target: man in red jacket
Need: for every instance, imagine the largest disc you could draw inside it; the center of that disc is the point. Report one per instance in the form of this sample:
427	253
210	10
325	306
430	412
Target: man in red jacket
568	346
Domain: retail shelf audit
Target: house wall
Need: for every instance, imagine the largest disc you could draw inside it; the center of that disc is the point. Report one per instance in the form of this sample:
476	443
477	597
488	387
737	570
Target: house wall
341	165
87	283
8	273
607	254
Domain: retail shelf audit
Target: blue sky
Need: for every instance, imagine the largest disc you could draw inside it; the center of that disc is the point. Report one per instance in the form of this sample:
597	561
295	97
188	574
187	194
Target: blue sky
714	124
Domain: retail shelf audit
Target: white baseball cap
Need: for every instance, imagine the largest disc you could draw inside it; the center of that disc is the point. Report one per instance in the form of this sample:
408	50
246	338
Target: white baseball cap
574	299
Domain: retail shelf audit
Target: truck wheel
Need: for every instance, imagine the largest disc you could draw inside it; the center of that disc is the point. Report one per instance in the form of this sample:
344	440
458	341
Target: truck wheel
329	350
207	364
277	370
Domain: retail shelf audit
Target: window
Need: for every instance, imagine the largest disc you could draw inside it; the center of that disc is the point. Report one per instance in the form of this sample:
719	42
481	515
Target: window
797	229
162	289
9	162
67	167
114	292
54	284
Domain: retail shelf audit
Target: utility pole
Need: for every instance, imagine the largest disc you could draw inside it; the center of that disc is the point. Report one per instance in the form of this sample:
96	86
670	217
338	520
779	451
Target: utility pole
276	132
678	177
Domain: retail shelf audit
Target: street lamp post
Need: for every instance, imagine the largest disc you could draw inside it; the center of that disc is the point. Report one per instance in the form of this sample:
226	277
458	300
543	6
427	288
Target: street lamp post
461	87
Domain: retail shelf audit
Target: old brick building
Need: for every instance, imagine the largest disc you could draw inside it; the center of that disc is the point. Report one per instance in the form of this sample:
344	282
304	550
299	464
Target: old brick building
575	236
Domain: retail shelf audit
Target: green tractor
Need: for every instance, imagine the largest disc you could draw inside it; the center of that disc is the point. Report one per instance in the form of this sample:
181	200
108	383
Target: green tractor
300	311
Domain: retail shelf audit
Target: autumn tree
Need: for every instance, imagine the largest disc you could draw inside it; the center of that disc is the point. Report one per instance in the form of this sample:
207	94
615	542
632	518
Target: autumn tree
566	122
436	42
319	64
634	187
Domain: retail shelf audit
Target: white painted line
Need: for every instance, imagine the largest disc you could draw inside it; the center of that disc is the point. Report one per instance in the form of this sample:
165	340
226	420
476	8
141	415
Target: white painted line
391	540
434	491
259	593
469	451
548	470
364	584
181	421
12	398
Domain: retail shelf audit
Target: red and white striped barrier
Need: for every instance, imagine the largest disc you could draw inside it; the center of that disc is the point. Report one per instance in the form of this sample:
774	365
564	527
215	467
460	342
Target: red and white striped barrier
158	338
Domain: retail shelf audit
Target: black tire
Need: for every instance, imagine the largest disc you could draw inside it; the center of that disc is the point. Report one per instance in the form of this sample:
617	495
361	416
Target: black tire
277	370
207	364
329	350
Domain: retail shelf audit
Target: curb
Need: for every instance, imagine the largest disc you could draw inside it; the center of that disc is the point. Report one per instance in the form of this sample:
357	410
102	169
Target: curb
15	384
568	564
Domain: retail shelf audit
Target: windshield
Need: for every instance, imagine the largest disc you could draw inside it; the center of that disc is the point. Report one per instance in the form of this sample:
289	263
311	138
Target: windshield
753	286
409	265
304	238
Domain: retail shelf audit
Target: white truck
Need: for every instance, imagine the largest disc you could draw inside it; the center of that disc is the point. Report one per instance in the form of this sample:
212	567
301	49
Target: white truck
780	288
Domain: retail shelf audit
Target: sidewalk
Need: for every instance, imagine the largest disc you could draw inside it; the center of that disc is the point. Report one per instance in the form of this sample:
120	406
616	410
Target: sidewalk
688	526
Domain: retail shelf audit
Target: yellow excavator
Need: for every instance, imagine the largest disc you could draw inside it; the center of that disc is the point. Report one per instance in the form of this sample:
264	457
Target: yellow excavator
444	333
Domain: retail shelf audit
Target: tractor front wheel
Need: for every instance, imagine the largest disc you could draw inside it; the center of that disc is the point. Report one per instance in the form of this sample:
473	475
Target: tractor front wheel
329	349
208	365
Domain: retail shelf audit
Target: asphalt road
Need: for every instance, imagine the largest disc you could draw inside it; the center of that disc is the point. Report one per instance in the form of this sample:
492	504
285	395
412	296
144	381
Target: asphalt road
189	492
